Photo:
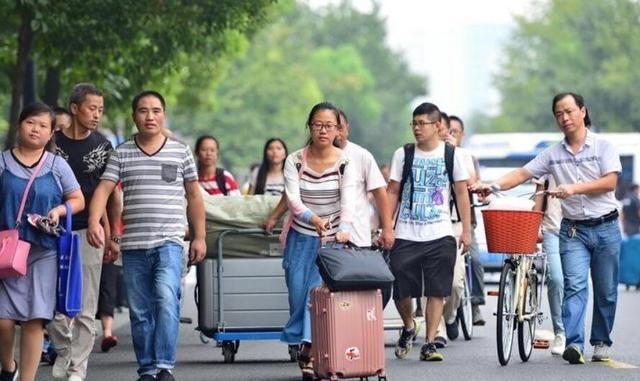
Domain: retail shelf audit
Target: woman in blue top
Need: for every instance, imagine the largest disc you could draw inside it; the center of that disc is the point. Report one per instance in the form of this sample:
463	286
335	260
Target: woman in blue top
31	299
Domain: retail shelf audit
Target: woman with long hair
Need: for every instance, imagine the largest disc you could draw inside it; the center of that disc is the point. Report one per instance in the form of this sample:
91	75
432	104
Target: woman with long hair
269	178
31	299
216	181
318	185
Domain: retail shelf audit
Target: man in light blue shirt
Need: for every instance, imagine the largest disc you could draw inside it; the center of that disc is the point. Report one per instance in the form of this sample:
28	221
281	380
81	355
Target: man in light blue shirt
586	169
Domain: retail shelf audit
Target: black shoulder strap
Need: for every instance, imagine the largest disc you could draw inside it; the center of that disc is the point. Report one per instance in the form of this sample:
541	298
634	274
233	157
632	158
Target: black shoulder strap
407	176
221	181
449	151
407	173
544	197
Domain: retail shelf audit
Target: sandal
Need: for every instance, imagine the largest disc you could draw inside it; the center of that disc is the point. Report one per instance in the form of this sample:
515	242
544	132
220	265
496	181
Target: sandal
305	362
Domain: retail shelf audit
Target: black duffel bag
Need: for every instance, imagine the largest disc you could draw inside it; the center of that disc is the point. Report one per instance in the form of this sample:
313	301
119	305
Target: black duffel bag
347	268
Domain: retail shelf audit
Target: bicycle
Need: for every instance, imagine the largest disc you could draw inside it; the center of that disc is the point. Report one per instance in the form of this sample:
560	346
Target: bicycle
519	301
465	310
515	233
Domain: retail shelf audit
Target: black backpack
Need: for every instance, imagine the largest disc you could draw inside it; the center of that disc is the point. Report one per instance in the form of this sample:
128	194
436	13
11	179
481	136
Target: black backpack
407	173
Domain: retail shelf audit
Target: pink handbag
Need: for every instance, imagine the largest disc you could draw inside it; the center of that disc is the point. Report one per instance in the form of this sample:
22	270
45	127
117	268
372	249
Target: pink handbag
13	251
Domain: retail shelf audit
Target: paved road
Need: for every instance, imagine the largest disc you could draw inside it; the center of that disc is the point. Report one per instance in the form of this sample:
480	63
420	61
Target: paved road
473	360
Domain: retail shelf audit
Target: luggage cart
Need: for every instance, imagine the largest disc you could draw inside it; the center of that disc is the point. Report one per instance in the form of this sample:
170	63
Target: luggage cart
241	299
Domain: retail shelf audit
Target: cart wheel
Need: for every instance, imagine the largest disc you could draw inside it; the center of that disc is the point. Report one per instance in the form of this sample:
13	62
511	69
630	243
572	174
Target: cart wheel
382	378
229	351
204	339
293	352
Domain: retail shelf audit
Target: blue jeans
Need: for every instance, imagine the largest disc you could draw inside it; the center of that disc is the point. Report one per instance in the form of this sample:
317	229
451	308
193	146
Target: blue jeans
302	276
152	278
595	248
555	288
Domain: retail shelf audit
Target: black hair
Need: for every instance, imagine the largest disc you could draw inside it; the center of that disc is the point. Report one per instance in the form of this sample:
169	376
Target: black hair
199	142
147	93
579	102
261	179
79	93
38	108
202	139
321	107
457	119
61	110
429	109
633	187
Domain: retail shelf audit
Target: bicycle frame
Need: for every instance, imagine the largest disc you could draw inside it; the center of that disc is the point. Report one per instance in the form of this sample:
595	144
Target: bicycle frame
523	265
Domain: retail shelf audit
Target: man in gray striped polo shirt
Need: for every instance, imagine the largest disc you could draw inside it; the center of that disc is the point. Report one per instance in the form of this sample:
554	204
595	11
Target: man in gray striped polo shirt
156	174
586	168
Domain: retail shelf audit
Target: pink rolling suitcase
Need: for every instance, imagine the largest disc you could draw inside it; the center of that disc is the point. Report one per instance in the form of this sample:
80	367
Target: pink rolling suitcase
347	330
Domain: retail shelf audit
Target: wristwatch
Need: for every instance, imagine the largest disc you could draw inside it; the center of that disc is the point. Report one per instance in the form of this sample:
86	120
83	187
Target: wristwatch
115	239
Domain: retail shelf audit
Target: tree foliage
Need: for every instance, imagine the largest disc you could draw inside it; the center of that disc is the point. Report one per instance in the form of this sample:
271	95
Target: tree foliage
120	46
307	56
589	47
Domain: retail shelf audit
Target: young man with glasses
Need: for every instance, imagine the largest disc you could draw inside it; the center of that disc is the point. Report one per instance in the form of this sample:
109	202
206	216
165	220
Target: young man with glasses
424	253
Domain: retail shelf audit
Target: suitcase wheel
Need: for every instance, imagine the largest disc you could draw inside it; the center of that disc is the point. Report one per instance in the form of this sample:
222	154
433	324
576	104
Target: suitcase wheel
204	339
229	350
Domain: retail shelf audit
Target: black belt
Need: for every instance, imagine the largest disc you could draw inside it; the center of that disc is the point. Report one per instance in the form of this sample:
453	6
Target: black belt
596	221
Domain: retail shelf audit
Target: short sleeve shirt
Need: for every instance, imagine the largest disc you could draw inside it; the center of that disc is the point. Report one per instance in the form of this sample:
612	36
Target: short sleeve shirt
429	218
87	158
553	214
153	192
55	164
367	178
596	158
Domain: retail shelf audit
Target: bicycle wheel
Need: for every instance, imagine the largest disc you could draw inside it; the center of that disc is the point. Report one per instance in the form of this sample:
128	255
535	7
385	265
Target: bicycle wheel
506	314
465	314
527	329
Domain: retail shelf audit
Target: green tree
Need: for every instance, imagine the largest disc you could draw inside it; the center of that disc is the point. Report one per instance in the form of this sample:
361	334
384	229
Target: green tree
591	48
120	46
306	56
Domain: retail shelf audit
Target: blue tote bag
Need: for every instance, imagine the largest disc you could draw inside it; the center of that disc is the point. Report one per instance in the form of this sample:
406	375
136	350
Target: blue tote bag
69	292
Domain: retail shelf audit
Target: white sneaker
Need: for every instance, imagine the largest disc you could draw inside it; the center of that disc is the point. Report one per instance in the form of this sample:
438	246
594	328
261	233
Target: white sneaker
60	367
601	353
74	377
558	345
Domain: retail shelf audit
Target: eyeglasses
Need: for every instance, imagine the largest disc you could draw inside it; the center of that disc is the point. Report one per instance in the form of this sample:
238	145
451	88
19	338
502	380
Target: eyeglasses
420	123
319	126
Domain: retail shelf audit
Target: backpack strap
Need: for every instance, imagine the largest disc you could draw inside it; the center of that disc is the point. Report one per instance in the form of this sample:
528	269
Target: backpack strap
449	152
221	181
407	176
407	173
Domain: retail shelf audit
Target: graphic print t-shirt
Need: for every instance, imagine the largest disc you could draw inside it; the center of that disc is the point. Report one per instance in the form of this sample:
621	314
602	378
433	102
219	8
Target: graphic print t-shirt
88	159
429	218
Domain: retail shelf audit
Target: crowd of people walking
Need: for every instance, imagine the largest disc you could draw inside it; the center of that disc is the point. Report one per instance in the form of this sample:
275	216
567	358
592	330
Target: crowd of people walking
141	203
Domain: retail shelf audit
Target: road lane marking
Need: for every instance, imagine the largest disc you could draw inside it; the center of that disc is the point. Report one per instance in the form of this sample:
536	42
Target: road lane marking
619	365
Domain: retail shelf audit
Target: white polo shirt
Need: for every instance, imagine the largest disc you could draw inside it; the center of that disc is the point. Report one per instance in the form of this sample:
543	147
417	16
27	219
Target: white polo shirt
596	158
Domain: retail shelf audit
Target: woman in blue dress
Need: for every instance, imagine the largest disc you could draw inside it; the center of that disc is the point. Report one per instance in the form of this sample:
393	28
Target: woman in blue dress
31	299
